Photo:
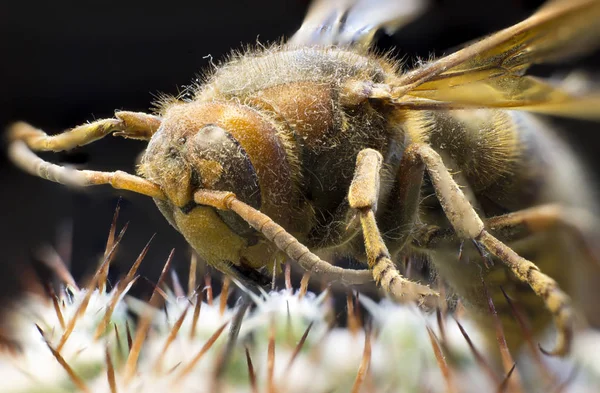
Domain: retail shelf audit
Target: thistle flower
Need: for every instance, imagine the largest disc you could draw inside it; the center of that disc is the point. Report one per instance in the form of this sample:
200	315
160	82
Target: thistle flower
87	340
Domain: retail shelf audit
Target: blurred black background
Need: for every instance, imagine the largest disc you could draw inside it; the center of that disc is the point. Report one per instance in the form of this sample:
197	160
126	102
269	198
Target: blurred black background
64	63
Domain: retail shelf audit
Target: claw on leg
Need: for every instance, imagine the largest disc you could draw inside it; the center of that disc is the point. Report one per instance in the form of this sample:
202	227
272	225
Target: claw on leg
384	270
557	302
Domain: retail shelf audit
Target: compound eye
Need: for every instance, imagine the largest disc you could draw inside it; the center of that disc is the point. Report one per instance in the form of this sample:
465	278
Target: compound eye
220	163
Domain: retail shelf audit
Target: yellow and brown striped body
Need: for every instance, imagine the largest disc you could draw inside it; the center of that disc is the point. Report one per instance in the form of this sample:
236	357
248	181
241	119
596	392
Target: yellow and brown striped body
294	125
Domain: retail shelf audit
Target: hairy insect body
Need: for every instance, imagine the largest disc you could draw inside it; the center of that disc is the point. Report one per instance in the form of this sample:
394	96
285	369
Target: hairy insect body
303	91
282	130
317	146
288	131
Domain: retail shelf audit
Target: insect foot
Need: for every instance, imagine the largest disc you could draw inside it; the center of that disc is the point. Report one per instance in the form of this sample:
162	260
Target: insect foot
557	302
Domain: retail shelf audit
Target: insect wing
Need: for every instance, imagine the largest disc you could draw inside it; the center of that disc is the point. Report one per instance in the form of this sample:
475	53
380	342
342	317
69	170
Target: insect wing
354	22
490	72
508	92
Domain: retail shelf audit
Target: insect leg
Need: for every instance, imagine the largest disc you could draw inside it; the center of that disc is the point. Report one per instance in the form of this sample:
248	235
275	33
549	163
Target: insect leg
287	243
468	225
363	196
521	224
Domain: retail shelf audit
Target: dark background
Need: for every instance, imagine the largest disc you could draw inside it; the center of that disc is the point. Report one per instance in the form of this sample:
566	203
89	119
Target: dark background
65	63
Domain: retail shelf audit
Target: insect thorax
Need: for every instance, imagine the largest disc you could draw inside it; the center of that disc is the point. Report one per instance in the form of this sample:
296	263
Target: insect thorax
301	94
